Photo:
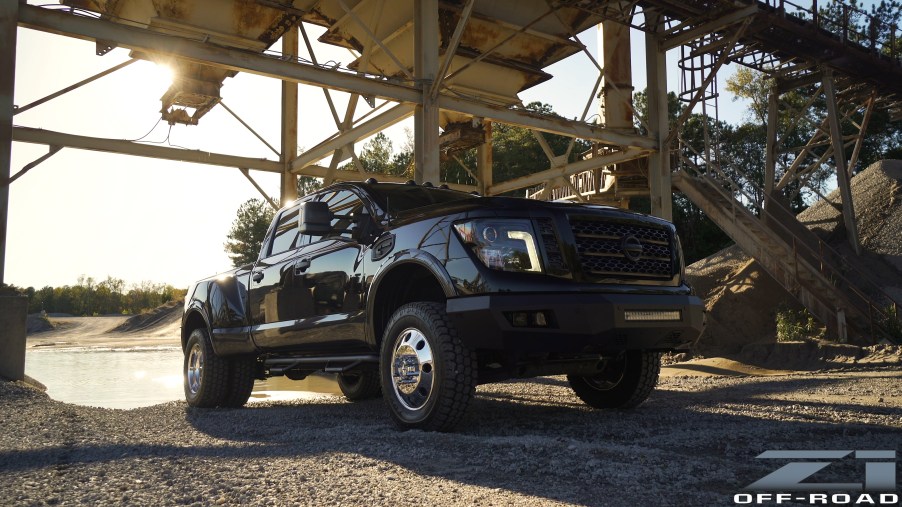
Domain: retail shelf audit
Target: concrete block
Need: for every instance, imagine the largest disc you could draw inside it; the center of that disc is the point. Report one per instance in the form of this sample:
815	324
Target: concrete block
13	313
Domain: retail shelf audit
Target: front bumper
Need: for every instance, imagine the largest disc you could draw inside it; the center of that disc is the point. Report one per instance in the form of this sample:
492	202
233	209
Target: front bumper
577	323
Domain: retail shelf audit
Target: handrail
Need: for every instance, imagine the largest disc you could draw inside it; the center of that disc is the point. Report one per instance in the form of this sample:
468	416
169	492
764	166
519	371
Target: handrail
880	37
826	268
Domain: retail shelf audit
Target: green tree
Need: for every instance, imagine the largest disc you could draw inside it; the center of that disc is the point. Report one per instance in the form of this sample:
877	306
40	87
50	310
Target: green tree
248	231
515	152
308	185
378	156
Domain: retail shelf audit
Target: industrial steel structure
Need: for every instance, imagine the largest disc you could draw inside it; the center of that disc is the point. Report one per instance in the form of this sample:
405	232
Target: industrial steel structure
457	67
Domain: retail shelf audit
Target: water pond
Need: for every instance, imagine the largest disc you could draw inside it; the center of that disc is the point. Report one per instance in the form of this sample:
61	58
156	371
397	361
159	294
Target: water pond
139	377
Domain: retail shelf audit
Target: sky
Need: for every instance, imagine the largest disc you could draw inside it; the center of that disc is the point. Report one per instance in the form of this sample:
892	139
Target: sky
83	213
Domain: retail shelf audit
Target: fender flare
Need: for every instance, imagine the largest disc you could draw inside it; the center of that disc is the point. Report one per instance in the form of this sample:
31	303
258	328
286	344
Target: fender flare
404	257
195	307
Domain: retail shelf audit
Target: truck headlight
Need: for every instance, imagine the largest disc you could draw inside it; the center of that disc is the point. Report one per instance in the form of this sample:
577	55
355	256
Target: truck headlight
505	245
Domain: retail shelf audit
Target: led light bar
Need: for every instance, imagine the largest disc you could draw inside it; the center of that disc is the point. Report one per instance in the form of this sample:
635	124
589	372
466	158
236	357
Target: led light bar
653	315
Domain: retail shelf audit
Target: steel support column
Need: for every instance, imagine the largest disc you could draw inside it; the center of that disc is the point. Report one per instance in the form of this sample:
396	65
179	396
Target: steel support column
426	121
843	180
484	159
9	13
659	178
289	187
617	92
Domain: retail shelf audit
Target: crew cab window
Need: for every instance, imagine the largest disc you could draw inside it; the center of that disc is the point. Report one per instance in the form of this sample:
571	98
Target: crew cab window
346	208
286	234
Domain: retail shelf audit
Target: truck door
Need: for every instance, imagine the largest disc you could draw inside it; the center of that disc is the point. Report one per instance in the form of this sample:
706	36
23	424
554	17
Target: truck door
316	304
275	298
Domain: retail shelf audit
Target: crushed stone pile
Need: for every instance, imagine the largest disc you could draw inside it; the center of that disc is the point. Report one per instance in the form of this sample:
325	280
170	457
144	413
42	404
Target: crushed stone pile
742	299
162	315
37	323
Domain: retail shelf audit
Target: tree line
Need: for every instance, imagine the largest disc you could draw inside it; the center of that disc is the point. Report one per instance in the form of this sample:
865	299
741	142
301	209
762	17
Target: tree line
88	297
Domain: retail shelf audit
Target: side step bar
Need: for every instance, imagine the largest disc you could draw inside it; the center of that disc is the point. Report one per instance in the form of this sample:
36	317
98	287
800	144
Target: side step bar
328	364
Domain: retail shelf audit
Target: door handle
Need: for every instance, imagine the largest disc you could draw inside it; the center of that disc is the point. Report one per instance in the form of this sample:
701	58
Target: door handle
258	276
301	265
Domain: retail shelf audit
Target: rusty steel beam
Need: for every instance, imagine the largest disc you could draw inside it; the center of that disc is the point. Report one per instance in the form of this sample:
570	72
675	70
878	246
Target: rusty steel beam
317	171
75	86
452	48
36	162
367	128
659	171
209	54
255	63
426	116
249	128
9	13
256	185
672	41
51	138
289	131
843	179
567	170
544	123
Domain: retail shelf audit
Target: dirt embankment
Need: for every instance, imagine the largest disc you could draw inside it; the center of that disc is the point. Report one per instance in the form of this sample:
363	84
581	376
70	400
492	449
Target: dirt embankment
159	327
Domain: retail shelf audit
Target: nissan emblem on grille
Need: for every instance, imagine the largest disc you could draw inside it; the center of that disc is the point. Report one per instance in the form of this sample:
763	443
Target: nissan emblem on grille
632	248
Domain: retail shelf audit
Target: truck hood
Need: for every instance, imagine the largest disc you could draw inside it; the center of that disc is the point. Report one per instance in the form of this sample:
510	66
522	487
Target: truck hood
517	205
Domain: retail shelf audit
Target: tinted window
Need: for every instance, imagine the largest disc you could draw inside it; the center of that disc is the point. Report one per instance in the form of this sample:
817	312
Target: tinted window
286	234
346	208
396	198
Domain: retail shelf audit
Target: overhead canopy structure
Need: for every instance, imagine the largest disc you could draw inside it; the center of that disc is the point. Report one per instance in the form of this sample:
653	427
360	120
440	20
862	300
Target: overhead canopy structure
458	66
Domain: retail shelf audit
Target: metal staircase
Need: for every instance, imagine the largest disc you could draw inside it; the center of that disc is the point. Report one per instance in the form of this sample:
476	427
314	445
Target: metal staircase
825	282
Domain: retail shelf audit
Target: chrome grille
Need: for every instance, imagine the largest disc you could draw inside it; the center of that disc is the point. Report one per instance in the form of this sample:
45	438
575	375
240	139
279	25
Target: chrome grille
602	255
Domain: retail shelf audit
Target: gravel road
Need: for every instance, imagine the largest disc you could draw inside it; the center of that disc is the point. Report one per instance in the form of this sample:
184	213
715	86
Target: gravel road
523	443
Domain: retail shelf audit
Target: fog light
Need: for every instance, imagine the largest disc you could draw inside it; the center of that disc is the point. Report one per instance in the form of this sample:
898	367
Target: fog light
540	319
653	315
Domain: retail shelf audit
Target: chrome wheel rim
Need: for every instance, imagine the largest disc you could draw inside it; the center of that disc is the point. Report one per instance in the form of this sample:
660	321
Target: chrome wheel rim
610	375
195	368
412	369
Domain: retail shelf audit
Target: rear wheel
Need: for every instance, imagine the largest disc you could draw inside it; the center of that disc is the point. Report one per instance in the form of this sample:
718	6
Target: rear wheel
213	381
624	381
360	385
428	376
242	371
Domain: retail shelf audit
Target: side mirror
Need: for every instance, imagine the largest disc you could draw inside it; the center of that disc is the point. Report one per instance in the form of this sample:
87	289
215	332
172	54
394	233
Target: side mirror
314	218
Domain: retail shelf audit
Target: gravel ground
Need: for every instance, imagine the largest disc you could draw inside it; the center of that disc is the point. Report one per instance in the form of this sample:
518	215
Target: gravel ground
523	443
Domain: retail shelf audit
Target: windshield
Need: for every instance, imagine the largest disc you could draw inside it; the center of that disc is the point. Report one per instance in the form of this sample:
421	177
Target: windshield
397	198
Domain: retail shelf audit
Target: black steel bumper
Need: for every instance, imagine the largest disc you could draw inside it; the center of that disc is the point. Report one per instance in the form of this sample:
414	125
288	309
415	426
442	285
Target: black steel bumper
576	323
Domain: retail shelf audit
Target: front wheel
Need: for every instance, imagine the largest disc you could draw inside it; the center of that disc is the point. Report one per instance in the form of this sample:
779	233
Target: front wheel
428	376
624	381
213	381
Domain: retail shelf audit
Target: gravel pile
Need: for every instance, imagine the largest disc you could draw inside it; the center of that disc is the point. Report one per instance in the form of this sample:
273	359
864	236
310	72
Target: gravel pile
742	299
523	443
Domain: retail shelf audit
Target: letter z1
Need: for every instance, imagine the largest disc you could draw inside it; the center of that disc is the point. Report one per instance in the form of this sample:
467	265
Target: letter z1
878	476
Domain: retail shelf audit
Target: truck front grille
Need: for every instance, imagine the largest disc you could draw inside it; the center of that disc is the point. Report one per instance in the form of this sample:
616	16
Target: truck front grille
610	250
554	259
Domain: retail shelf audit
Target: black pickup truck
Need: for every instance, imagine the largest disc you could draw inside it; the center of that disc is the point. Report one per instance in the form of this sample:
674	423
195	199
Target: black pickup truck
420	293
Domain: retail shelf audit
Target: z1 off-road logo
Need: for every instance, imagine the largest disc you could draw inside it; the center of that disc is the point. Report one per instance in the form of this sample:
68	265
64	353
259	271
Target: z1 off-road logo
790	483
